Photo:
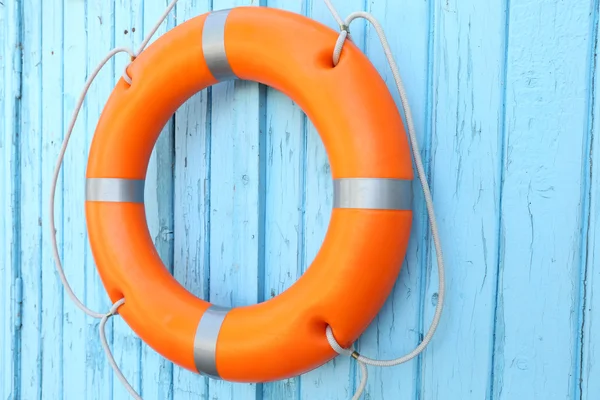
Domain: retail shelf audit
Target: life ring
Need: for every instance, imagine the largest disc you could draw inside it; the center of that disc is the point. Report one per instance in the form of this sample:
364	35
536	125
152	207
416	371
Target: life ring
354	271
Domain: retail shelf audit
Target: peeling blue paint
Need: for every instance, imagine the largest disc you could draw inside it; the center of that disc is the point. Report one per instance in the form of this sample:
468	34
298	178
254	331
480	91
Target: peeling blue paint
239	191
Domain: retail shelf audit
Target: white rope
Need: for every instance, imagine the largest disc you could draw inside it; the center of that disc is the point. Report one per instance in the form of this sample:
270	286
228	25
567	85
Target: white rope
149	36
55	251
336	15
111	360
344	35
61	156
362	360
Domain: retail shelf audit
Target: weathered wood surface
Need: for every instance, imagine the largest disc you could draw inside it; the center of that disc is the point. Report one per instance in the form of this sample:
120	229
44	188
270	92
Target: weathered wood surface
239	196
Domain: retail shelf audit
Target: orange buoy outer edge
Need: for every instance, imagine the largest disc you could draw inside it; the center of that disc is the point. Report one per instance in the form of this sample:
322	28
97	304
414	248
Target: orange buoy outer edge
354	271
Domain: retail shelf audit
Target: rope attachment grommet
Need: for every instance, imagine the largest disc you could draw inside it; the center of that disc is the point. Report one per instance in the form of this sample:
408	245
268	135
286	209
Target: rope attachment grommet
335	345
126	76
114	309
339	44
350	352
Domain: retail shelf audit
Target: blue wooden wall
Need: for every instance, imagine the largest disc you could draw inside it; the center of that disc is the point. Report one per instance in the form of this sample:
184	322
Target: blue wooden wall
239	196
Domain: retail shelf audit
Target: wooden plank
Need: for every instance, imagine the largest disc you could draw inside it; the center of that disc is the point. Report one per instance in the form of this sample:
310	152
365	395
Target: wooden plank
100	30
157	372
588	368
51	138
6	213
468	65
536	322
284	200
74	231
236	202
127	346
6	183
10	76
538	354
30	201
192	199
336	379
397	330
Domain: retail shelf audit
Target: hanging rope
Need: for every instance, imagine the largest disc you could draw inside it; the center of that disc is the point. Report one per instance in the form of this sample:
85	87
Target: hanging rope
344	35
362	360
55	252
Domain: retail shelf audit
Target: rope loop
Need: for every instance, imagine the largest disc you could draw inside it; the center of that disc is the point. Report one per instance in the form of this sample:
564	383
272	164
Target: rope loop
111	359
335	345
362	360
343	37
103	317
339	45
126	76
114	309
350	352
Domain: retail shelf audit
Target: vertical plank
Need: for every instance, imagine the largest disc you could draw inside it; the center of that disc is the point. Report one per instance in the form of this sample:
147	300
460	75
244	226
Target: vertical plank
396	330
157	372
192	199
237	225
127	346
284	200
75	74
30	201
6	181
10	86
536	319
336	379
587	385
100	39
468	66
51	135
6	207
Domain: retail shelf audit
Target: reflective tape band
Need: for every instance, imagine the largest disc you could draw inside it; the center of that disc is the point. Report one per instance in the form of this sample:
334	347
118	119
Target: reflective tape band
205	343
373	193
213	45
115	190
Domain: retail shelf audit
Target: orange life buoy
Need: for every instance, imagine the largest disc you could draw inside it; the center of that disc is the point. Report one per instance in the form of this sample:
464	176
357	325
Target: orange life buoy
354	271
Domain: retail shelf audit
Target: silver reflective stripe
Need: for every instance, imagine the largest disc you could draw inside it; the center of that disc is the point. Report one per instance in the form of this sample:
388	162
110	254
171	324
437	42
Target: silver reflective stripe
115	190
205	343
213	45
373	193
